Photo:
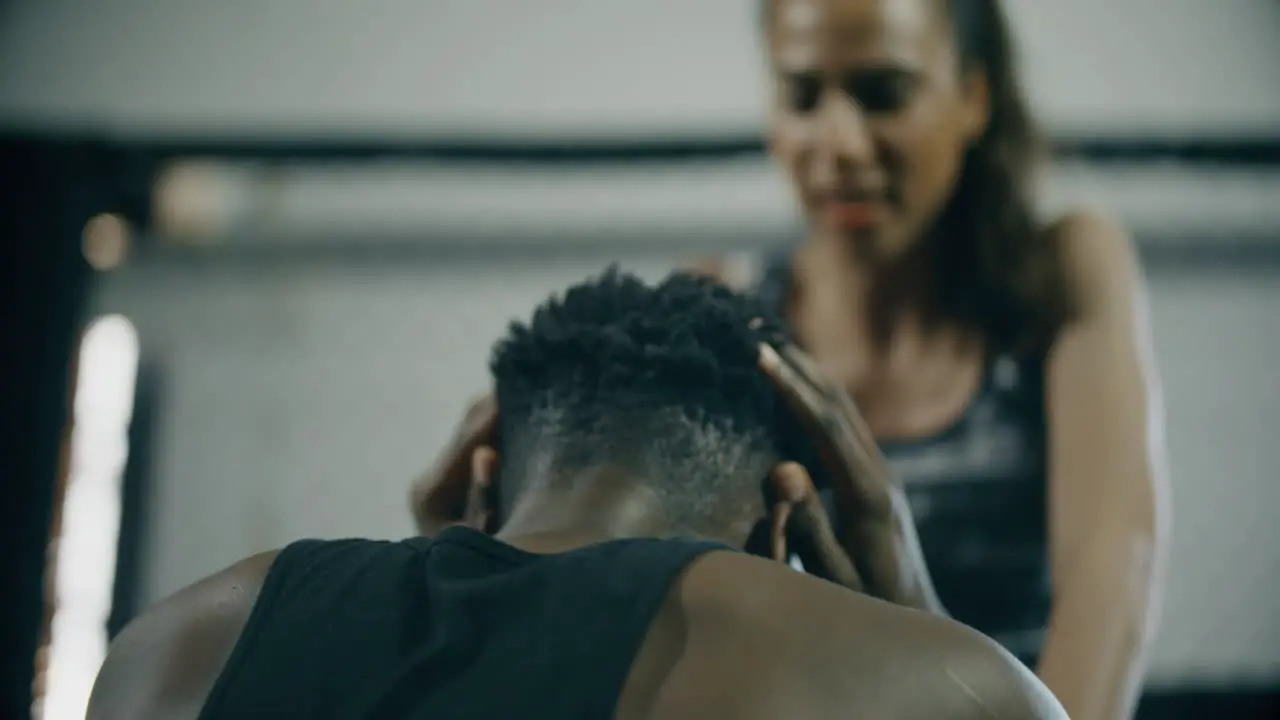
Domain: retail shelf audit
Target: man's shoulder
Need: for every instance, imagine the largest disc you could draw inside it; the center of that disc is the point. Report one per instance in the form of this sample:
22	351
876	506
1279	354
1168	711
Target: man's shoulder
835	643
166	660
765	595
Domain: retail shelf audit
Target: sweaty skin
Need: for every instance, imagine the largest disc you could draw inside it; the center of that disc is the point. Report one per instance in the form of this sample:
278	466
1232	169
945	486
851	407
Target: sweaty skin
793	647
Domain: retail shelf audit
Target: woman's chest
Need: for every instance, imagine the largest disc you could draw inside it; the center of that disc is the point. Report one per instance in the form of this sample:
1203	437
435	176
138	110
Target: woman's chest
997	440
907	392
942	419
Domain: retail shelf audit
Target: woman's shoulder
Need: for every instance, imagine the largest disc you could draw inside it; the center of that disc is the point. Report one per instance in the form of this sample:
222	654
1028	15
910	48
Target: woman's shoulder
1087	230
1097	255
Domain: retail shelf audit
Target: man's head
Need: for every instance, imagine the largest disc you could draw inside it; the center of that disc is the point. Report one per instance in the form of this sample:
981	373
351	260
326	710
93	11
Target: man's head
618	384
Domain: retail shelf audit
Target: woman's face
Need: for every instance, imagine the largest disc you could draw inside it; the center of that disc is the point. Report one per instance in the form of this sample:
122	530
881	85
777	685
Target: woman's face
872	115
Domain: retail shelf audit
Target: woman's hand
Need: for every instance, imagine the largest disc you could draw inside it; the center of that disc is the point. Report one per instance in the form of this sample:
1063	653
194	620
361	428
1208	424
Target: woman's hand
873	545
441	497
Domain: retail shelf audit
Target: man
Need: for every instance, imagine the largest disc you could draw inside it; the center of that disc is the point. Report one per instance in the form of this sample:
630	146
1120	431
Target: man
639	449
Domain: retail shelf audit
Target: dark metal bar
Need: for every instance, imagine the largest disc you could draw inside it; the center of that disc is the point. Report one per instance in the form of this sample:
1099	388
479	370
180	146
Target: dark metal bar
1215	149
1260	253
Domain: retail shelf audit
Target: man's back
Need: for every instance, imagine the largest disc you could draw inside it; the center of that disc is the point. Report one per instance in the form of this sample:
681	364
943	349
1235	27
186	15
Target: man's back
467	626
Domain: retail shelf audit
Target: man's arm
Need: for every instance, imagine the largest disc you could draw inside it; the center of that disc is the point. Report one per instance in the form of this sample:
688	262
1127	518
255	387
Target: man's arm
165	662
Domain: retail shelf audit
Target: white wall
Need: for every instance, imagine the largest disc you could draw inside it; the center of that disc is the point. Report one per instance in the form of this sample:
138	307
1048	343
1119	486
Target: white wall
300	403
575	66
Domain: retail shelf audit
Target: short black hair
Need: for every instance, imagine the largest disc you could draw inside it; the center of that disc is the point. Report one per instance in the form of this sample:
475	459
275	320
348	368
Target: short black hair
661	381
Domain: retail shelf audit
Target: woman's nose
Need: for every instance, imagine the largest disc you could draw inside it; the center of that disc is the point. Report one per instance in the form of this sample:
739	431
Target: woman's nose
841	141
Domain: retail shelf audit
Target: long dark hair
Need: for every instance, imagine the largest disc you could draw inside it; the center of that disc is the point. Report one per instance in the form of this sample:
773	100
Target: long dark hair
998	271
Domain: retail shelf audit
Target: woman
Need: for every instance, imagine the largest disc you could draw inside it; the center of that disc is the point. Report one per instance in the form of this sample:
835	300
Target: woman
1001	364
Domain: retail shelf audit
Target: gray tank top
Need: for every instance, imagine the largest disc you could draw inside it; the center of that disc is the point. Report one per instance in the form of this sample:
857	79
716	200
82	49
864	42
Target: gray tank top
978	495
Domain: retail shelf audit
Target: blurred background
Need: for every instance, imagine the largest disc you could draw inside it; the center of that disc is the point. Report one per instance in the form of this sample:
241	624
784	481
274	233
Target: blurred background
260	251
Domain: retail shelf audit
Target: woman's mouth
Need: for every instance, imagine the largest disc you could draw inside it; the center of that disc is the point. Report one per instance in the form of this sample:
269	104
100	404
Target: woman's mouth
856	214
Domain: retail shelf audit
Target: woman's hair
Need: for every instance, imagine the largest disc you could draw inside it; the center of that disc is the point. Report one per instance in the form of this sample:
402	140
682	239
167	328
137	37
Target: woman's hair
998	271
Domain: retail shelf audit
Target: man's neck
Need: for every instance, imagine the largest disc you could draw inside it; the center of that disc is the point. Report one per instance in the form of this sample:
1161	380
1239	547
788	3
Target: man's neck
562	515
587	510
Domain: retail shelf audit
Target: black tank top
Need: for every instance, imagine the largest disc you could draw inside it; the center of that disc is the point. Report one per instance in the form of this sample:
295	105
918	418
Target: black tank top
462	626
978	496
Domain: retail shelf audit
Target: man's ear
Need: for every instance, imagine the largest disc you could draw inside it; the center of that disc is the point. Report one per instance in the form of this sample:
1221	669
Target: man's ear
481	511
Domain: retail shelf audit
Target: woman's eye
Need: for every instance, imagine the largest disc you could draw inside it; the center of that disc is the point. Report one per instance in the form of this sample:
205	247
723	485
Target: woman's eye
803	93
881	93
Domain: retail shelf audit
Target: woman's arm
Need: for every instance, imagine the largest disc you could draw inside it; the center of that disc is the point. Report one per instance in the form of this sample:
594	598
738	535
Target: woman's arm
1108	488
